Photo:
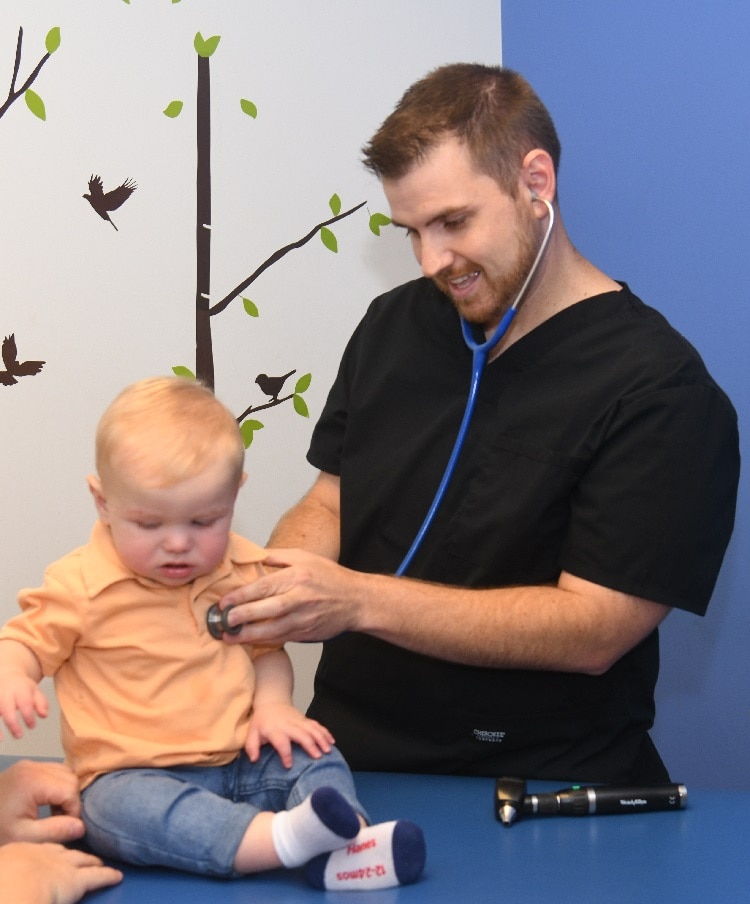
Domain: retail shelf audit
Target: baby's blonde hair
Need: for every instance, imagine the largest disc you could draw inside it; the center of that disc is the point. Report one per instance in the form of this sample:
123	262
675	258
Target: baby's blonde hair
165	430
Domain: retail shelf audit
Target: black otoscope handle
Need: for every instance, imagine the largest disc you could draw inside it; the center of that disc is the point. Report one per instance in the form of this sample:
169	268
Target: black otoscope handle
588	801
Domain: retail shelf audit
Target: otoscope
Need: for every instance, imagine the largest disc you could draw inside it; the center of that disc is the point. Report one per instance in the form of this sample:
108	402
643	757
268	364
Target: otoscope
512	802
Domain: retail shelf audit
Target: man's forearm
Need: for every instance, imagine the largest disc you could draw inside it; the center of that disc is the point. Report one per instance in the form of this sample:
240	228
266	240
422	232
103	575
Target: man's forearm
574	626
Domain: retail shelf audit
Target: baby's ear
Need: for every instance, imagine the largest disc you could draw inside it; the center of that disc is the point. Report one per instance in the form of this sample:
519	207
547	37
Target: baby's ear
95	487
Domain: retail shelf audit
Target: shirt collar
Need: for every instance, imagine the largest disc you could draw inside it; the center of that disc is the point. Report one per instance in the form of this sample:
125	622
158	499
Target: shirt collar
101	566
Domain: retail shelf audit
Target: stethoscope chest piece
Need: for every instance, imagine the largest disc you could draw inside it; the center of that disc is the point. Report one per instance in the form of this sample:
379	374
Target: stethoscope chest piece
216	622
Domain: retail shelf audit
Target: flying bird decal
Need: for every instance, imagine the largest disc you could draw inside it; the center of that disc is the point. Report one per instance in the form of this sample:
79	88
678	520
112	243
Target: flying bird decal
13	367
103	202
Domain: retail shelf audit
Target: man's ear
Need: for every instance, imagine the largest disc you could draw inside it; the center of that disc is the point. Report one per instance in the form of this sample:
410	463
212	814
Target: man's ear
95	487
538	175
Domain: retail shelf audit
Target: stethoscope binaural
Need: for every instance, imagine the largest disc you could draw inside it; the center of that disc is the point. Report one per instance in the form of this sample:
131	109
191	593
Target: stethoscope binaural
216	618
480	353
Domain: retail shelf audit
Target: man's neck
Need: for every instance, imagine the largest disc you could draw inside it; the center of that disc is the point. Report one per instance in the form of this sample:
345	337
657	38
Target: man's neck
565	278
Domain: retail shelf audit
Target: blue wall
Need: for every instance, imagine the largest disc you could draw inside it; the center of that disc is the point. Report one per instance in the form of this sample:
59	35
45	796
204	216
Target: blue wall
652	102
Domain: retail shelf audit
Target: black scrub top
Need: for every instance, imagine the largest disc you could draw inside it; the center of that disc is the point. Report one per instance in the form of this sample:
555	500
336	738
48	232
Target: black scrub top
599	446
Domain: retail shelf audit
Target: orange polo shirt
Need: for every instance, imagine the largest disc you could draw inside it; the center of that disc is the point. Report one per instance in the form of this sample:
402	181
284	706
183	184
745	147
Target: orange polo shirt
139	679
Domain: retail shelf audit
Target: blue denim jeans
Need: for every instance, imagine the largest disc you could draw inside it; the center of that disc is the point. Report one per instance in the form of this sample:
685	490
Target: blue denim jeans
194	817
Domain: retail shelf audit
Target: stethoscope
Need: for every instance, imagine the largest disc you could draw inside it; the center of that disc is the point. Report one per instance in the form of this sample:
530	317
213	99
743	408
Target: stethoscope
480	351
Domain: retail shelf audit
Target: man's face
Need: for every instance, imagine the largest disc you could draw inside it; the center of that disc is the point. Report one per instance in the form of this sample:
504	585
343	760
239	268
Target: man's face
470	237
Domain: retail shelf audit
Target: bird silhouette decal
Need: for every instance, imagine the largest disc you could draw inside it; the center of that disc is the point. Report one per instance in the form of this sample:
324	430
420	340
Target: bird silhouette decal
103	202
272	386
13	367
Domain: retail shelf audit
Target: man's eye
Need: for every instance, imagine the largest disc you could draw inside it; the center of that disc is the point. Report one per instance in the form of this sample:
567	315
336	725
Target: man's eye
453	225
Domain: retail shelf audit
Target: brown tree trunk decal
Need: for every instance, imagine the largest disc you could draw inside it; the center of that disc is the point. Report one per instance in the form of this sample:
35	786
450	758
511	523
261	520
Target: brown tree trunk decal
204	355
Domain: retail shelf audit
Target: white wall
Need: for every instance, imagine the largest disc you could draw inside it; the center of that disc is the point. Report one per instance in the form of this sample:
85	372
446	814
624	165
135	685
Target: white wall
105	307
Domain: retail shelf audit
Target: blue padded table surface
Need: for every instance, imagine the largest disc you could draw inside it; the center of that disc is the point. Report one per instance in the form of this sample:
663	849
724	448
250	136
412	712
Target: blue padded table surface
699	854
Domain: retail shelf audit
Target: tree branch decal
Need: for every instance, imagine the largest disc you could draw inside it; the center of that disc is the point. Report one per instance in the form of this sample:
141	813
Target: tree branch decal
277	255
33	101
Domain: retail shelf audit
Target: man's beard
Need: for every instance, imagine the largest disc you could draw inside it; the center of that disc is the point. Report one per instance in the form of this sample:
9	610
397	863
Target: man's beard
502	290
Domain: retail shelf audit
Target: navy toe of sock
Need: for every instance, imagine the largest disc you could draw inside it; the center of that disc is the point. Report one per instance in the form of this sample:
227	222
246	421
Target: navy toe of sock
315	870
409	851
335	812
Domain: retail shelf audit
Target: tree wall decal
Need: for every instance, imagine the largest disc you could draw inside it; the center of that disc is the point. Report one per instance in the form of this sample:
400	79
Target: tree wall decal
205	309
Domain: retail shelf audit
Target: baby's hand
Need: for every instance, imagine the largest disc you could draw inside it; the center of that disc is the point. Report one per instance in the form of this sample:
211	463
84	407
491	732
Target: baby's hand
20	694
280	725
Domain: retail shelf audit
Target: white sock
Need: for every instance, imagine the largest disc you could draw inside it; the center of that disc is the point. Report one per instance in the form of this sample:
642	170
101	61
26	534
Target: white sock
387	854
322	822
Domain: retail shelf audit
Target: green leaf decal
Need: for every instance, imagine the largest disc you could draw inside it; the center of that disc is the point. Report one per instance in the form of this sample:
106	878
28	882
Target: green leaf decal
173	109
335	205
300	406
250	307
180	371
52	41
378	220
329	239
206	47
35	104
249	107
303	384
247	430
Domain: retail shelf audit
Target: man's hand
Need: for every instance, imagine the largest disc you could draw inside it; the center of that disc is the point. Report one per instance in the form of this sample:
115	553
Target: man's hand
27	785
308	598
50	874
280	725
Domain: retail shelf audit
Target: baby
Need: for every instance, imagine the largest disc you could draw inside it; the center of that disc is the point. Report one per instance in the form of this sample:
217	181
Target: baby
188	750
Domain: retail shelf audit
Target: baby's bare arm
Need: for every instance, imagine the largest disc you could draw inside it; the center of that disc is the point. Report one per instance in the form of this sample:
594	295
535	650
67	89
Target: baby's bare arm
20	674
275	720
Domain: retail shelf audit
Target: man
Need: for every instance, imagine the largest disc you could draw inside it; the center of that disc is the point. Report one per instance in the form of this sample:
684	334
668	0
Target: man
595	490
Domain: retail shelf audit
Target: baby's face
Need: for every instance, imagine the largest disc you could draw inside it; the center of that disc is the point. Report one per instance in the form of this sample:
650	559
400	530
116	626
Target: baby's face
170	534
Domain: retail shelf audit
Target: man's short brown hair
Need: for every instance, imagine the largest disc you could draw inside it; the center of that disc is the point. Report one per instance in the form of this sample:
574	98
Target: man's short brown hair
492	110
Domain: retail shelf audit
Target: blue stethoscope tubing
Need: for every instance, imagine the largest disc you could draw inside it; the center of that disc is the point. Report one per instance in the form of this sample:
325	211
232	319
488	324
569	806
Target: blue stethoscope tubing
480	352
216	618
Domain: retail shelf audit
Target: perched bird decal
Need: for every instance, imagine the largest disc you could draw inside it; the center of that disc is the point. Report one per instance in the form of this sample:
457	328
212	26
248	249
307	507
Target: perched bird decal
104	202
272	385
14	368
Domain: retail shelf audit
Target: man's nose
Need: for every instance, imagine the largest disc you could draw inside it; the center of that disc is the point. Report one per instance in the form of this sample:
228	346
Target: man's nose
433	257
